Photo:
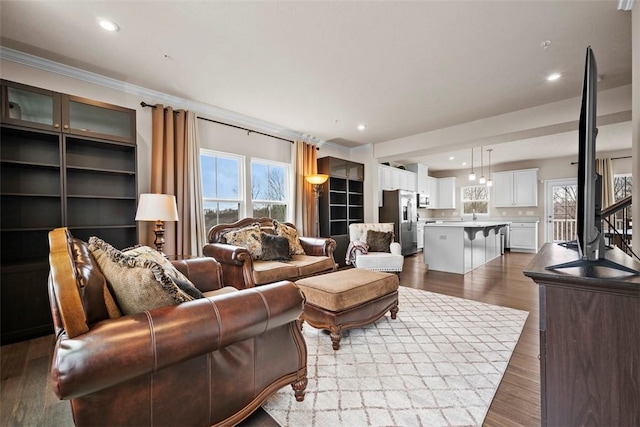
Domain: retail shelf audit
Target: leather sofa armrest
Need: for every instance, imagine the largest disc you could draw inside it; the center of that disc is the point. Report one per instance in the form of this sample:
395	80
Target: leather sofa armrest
205	273
117	350
226	254
318	246
236	262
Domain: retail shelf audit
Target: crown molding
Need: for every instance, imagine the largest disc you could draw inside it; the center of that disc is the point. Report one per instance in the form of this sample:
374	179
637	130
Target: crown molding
152	96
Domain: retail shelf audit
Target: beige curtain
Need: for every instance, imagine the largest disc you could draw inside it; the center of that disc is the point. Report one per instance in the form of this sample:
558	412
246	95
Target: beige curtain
305	209
175	170
605	168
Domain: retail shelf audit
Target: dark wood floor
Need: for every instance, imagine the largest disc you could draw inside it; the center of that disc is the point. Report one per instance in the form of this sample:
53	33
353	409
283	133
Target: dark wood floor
27	399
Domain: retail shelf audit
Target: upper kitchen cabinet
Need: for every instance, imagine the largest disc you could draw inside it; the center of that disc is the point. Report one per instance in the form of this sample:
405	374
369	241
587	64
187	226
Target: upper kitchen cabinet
518	188
392	178
422	174
43	109
446	193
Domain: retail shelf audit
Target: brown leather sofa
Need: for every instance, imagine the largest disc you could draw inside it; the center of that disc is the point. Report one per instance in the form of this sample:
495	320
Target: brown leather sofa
210	361
241	271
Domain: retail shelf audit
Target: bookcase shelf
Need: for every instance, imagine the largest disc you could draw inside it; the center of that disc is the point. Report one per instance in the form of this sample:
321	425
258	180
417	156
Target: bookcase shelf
53	177
342	201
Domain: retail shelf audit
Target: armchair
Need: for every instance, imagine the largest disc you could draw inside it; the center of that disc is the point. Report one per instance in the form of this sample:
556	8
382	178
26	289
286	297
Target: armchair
209	361
361	256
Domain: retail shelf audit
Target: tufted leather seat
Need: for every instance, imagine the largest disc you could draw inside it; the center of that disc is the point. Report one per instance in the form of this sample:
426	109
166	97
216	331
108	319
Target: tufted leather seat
211	361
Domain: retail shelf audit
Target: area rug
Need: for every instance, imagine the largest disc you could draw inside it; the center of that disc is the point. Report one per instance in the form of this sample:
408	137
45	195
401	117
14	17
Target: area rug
438	364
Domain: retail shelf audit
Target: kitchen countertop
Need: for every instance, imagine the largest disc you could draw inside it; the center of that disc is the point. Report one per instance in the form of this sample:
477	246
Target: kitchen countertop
468	224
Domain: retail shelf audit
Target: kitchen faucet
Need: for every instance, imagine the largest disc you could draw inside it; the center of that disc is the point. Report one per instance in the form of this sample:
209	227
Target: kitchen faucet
474	216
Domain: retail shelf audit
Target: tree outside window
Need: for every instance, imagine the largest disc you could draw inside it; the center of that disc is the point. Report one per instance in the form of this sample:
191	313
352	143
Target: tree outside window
221	184
622	185
475	199
269	189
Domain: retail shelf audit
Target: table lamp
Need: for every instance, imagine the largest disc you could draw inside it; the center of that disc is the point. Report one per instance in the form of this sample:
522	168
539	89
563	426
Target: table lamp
158	208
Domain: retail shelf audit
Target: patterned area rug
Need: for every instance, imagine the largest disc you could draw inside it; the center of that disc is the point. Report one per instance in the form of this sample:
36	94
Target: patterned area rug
438	364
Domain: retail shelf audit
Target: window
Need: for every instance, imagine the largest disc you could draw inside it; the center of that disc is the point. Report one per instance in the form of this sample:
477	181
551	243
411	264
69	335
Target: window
269	189
475	199
622	185
222	183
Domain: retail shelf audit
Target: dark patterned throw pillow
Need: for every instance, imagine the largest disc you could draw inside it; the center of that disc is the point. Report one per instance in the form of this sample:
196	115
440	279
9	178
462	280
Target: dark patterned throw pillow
379	241
275	248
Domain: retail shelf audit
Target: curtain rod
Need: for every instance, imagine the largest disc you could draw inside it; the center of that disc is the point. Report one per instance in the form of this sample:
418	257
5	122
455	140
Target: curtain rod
144	104
248	130
613	158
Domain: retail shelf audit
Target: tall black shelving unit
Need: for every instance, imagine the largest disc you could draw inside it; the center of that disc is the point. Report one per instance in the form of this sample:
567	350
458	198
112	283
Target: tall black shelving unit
341	202
64	161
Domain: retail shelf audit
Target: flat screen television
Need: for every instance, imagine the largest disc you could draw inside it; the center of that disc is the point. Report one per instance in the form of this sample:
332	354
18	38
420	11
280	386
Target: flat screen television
589	242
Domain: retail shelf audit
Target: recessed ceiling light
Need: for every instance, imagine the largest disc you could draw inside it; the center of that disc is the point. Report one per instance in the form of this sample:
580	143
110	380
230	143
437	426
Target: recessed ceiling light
361	127
554	76
451	158
464	163
108	25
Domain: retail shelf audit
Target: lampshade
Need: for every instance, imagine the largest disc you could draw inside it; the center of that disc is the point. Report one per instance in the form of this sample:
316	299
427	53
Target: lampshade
157	207
316	179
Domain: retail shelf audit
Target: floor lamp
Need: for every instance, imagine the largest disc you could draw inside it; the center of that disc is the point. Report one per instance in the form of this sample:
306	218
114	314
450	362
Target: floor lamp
158	208
317	180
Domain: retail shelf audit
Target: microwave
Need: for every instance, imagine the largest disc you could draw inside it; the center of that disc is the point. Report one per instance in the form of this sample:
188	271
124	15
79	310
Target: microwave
423	201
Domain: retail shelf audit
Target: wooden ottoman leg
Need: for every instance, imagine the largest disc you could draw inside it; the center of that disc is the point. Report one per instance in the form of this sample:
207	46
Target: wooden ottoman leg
394	311
336	336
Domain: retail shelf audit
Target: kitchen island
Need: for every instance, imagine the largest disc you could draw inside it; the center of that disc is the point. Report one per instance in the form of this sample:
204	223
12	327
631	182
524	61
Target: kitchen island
459	247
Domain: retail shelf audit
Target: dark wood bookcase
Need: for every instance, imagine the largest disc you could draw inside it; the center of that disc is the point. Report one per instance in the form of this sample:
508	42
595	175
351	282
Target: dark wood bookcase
64	161
341	202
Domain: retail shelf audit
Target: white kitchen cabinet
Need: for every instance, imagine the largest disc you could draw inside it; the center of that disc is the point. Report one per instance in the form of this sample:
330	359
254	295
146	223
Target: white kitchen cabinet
433	192
392	178
447	193
518	188
422	173
523	237
420	231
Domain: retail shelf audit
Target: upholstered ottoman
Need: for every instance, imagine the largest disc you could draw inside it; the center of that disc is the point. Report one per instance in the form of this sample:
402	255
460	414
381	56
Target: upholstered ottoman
347	299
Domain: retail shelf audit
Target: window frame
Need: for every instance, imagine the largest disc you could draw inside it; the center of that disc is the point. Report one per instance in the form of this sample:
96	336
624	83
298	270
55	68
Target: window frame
287	193
240	199
463	201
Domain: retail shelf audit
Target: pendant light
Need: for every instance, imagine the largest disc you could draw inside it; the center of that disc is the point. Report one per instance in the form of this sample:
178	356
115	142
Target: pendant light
489	181
482	179
472	174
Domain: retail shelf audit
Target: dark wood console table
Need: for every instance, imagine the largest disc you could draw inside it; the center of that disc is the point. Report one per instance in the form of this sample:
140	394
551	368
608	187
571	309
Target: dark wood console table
589	341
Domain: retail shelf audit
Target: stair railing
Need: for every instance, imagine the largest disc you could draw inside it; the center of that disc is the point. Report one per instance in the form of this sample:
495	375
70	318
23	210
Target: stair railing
619	230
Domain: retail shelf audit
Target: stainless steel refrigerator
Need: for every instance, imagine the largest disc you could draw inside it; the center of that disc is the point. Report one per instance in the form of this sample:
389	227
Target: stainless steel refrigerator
399	207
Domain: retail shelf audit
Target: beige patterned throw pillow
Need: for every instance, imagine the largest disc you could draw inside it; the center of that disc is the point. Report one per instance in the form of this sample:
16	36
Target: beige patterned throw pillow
137	284
146	252
247	237
283	230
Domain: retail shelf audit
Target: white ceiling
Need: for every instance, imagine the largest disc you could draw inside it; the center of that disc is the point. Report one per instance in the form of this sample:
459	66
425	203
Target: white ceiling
323	67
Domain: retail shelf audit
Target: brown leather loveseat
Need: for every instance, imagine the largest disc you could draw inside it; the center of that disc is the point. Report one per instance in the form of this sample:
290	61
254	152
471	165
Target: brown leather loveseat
209	361
242	270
